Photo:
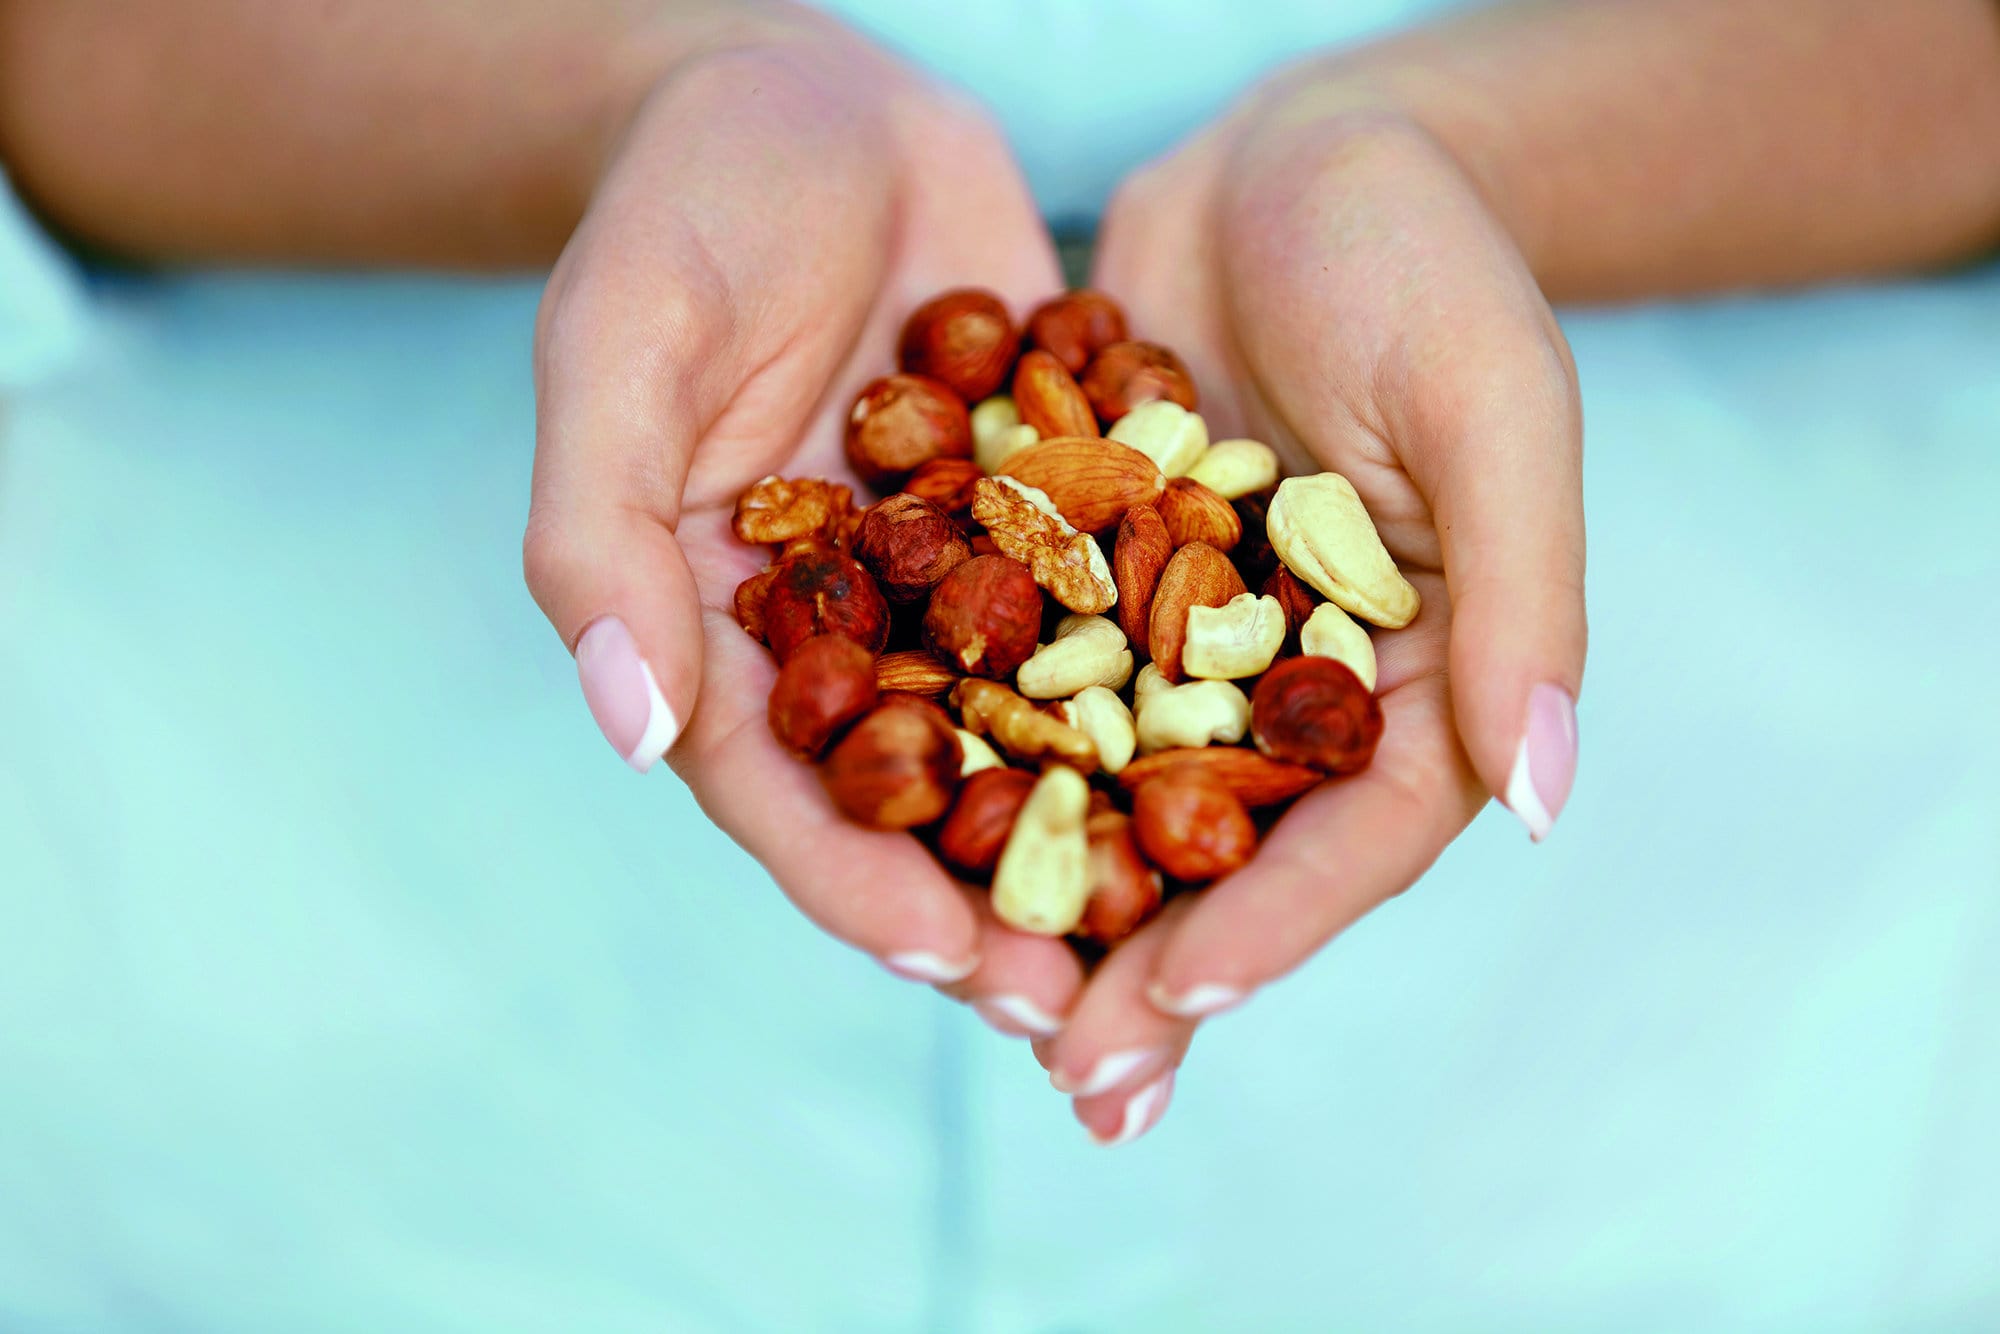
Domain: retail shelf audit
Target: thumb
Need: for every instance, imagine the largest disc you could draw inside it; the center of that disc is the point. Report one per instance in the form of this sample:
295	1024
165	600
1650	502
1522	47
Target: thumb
1502	468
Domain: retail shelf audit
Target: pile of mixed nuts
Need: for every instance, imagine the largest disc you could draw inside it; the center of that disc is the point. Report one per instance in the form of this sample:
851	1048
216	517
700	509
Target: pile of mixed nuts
960	655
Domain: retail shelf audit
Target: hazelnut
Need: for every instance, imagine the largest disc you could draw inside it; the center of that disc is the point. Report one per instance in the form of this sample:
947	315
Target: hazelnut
902	421
1124	375
1316	711
1193	513
963	339
1124	889
897	768
1253	555
820	592
1048	399
1076	326
981	818
985	617
1141	553
1191	826
946	483
827	683
909	544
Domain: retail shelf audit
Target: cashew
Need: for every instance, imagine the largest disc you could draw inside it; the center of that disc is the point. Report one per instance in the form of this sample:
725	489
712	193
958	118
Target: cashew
1099	714
1087	651
1235	468
1321	531
977	754
1192	715
1147	681
1164	432
1235	640
997	431
1331	633
1043	879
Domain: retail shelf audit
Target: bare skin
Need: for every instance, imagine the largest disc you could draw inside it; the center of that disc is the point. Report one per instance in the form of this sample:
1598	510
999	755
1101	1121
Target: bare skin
1357	260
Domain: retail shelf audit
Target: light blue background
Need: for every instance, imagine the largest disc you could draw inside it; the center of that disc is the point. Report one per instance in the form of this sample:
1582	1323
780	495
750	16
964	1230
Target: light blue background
348	983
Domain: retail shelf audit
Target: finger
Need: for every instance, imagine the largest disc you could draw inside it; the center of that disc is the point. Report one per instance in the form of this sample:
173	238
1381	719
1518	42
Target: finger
1326	863
1025	985
664	305
881	892
1471	384
1127	1112
1116	1039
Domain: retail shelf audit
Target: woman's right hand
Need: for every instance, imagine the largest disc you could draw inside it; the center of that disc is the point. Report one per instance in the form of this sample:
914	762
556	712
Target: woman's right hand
774	208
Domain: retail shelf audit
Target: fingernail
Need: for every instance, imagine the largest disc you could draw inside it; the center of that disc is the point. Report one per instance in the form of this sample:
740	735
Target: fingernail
1545	765
1017	1016
923	966
622	694
1197	1001
1110	1071
1143	1111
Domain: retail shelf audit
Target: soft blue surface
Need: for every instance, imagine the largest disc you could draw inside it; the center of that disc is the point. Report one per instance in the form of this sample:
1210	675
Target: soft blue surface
348	983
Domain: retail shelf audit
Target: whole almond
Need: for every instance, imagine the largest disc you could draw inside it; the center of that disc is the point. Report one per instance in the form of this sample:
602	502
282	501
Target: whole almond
1197	576
1193	513
914	671
1091	482
1256	779
1141	554
1047	397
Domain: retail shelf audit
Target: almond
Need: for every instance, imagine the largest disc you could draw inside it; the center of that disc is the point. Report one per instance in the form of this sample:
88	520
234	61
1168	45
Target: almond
1142	552
914	672
1197	576
1256	779
1047	397
1193	513
1091	482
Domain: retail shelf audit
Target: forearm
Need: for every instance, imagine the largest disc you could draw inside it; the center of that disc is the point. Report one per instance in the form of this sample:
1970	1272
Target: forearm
1659	146
365	130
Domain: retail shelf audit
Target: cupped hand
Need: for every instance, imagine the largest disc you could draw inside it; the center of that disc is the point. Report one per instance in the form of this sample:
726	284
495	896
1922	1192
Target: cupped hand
774	209
1341	290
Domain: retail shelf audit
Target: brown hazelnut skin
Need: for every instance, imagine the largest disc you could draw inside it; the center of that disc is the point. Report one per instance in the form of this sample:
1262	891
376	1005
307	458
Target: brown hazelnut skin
1253	555
963	339
902	421
946	483
1191	826
909	544
821	592
1124	375
985	617
1076	326
827	683
897	768
1125	890
976	830
1316	711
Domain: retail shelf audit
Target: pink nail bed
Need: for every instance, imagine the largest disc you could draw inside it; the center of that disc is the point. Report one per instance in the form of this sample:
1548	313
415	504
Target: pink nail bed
623	695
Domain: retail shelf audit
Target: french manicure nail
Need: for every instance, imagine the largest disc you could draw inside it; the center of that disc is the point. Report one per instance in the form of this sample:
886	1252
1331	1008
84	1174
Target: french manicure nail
623	695
1142	1111
1015	1015
1545	764
1196	1002
923	966
1110	1071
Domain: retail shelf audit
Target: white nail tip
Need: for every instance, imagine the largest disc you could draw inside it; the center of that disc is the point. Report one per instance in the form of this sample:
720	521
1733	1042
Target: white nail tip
662	728
1023	1013
1523	800
923	966
1143	1111
1198	1001
1110	1071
